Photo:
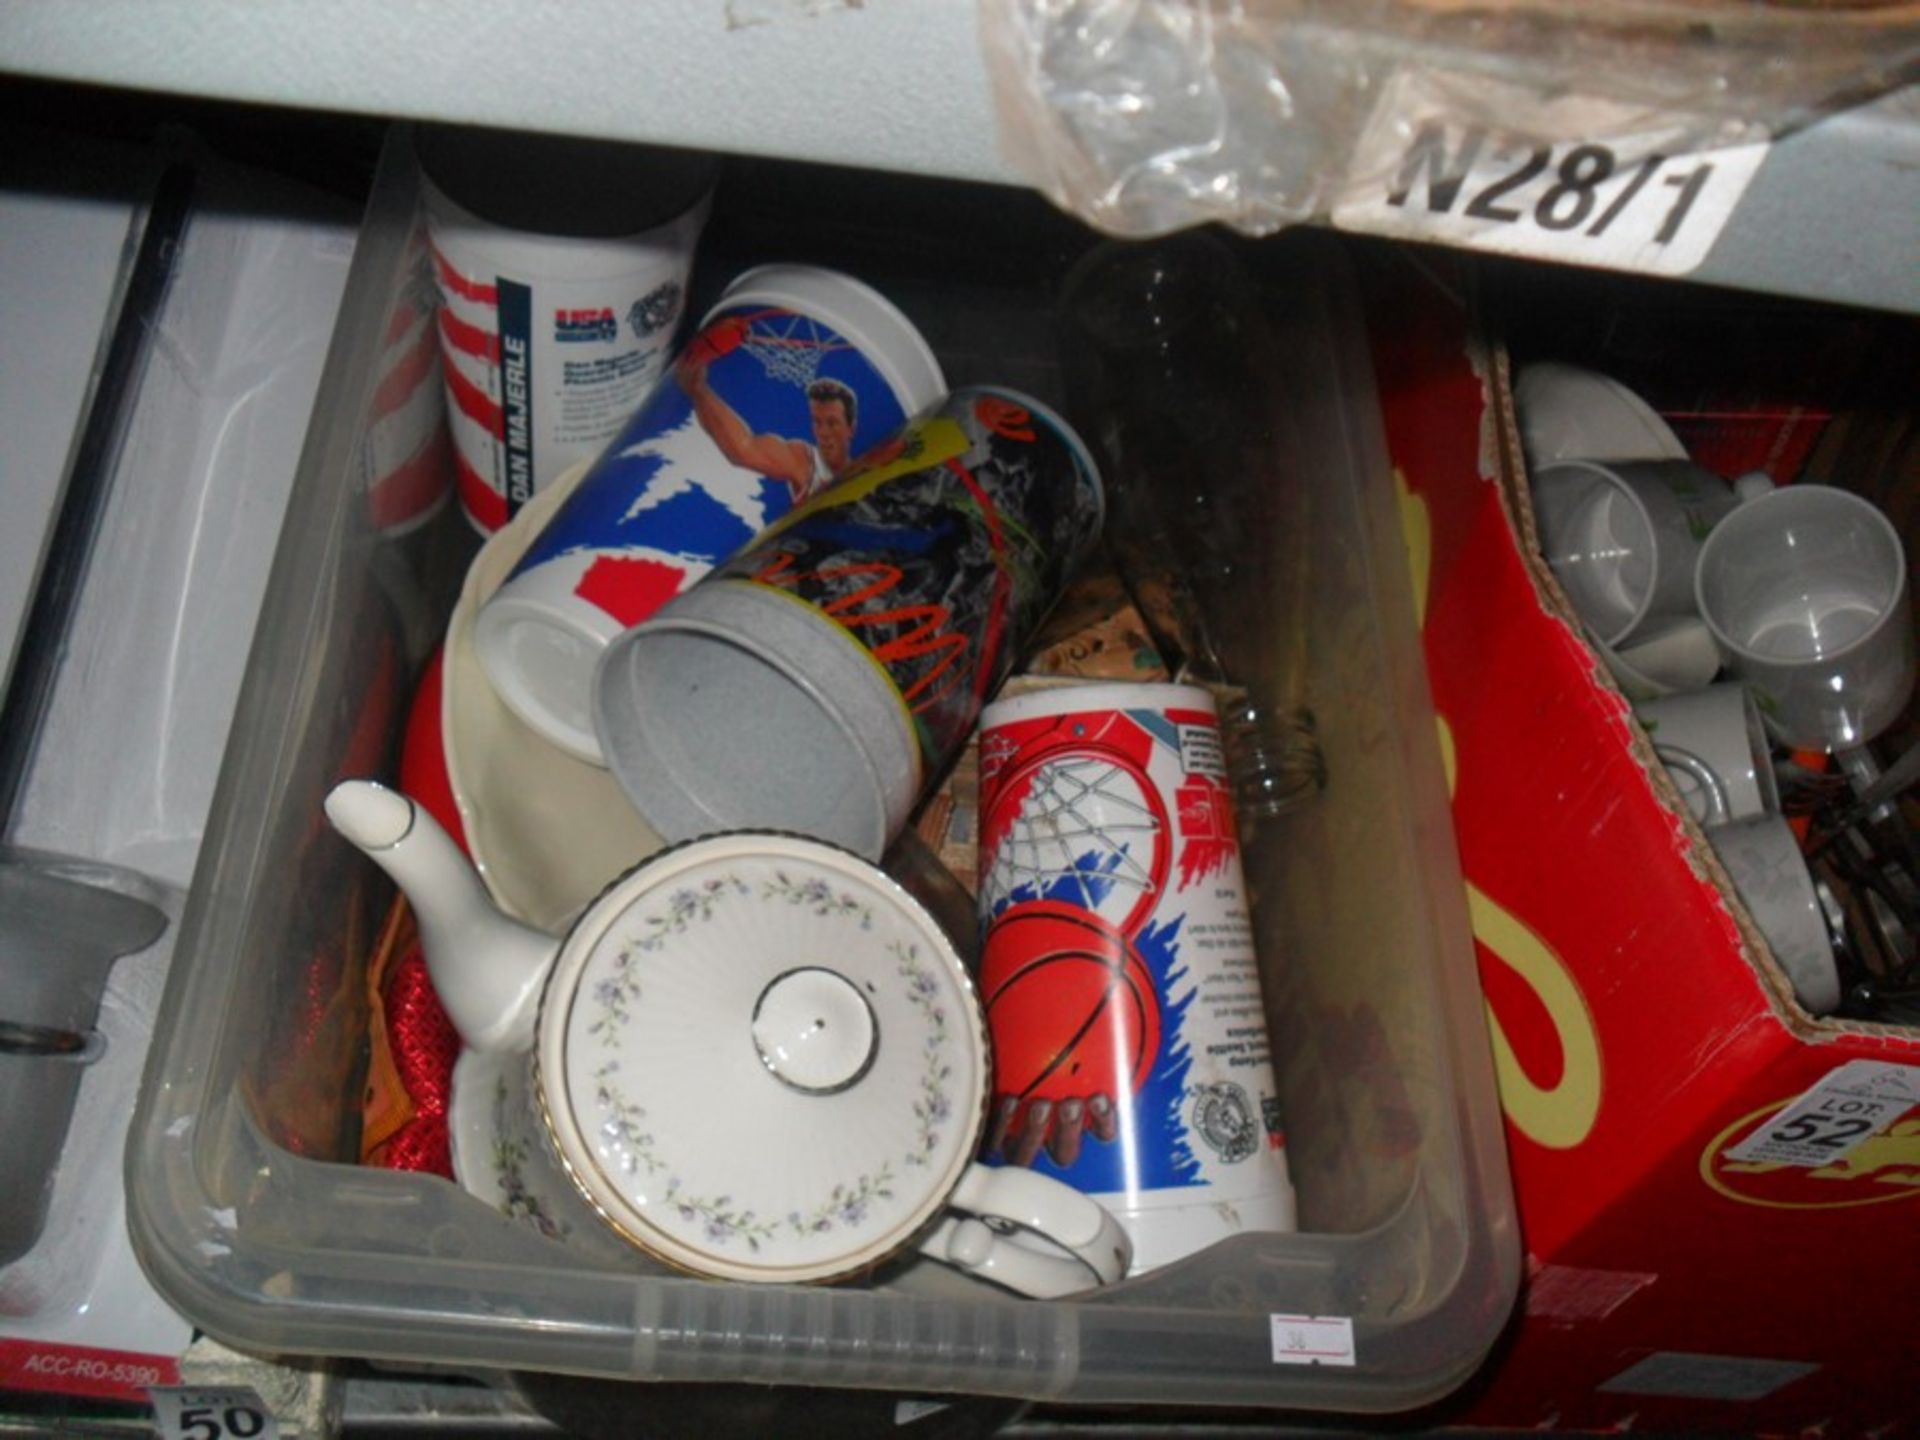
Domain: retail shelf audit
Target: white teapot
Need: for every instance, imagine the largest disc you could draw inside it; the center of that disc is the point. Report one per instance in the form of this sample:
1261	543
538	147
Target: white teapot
754	1057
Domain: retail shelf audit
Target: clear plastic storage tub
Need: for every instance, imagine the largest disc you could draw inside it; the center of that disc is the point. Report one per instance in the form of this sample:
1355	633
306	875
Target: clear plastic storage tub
251	1217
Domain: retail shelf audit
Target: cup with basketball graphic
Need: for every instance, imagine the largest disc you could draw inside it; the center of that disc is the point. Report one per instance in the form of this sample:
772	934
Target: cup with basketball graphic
819	680
791	375
1119	973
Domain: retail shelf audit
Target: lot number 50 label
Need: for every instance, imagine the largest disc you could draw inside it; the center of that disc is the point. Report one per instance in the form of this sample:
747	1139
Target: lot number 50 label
1647	201
234	1413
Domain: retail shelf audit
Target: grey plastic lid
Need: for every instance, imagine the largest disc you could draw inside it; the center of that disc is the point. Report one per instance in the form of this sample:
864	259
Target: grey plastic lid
739	707
561	185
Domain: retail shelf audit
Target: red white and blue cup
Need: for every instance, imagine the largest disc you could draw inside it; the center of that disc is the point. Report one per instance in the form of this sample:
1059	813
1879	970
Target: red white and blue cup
821	679
1118	969
563	268
791	376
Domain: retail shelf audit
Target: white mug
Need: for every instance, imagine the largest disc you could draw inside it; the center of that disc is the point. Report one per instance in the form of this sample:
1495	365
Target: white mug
1681	656
755	1057
1715	748
1805	589
1770	875
1567	413
1622	537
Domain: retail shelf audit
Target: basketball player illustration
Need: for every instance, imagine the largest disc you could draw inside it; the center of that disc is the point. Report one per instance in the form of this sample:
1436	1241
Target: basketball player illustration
802	467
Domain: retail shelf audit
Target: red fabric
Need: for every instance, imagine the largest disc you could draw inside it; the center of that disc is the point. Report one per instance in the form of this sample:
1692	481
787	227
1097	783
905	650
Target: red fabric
424	1047
421	1040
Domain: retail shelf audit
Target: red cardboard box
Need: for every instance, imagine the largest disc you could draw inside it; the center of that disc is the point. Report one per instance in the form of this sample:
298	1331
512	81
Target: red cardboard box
1641	1030
1747	382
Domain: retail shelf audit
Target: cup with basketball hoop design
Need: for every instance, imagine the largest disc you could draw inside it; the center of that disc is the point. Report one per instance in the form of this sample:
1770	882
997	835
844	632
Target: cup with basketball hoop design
792	374
818	681
1122	987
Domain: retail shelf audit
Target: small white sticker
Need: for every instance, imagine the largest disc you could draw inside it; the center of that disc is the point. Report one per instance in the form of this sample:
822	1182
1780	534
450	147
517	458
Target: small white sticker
908	1411
1312	1340
1851	1102
1200	752
183	1412
1574	179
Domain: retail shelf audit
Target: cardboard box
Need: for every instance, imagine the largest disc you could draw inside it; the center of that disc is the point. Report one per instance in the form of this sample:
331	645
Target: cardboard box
1747	382
1641	1030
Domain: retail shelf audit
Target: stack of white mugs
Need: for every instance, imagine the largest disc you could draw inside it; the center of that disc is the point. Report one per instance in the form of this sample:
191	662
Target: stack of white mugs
1738	616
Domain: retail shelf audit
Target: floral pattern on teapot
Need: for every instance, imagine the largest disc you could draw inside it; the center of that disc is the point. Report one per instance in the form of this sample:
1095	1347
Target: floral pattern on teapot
633	1148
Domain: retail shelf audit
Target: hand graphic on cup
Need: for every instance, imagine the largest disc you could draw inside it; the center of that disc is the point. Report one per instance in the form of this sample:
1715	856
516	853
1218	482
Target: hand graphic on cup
1023	1130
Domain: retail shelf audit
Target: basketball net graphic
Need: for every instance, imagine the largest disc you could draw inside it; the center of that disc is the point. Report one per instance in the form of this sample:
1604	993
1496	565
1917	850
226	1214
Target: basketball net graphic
1086	826
789	347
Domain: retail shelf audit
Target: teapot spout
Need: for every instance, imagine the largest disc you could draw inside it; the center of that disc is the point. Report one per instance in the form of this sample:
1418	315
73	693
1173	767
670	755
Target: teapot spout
486	968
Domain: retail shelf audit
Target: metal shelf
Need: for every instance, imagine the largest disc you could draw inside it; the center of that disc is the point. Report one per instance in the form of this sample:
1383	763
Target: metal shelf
885	84
1833	213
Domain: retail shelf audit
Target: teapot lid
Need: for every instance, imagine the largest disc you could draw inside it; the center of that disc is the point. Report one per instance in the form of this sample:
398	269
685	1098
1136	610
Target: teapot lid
760	1058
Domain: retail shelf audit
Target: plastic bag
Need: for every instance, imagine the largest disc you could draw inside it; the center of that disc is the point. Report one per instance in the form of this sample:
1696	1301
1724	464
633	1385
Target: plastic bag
1146	116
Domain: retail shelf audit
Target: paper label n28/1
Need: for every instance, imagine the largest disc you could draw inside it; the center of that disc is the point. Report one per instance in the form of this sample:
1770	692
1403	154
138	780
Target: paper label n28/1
1850	1102
1574	180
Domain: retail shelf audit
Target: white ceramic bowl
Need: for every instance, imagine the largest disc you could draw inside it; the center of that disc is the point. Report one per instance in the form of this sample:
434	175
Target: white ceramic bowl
547	831
1567	413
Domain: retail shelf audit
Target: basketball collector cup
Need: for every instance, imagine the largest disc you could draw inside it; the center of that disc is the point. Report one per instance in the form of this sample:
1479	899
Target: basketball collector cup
794	371
822	678
563	267
1122	989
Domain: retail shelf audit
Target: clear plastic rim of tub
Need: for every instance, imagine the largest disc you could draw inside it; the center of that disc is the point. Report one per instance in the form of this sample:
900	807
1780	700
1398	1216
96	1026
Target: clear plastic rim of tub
285	1254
